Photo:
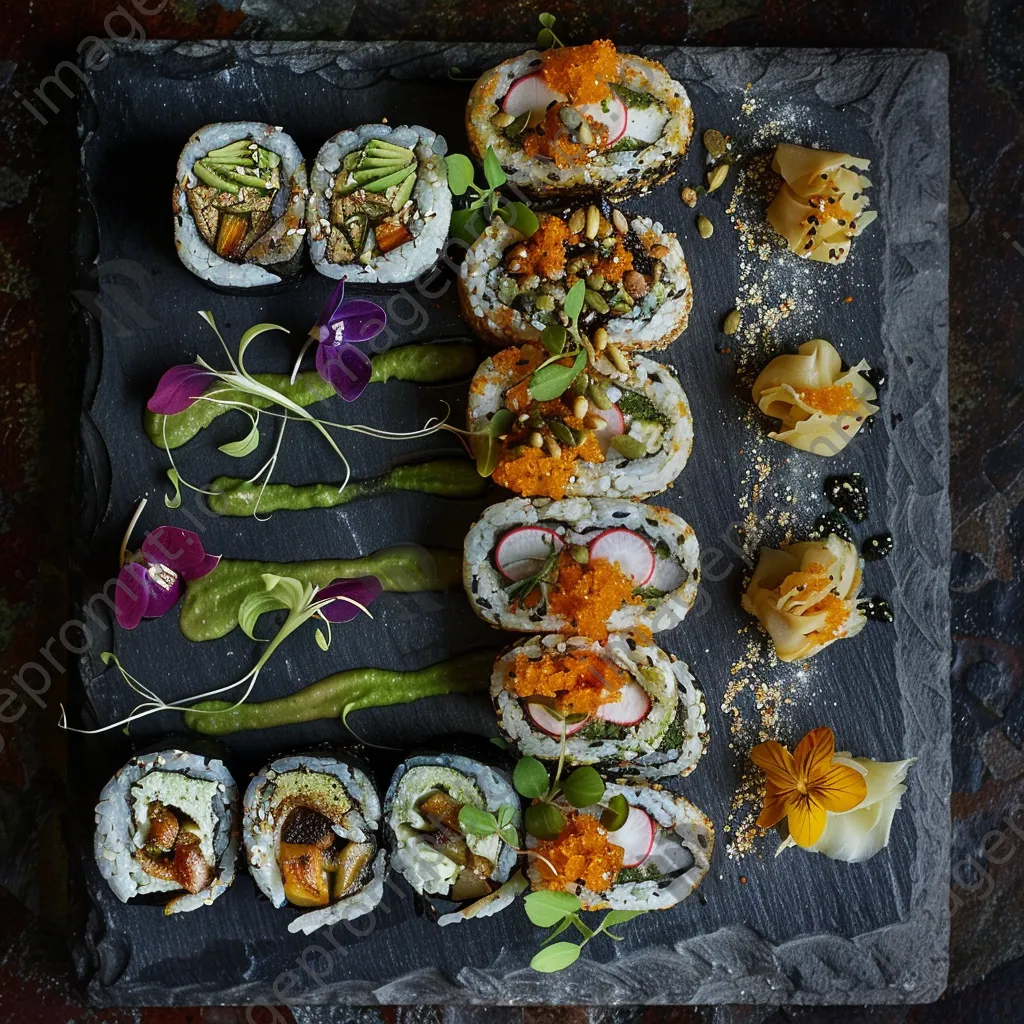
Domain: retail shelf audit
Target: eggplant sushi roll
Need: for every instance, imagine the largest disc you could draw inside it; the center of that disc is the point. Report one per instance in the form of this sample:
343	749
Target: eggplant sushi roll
653	859
434	850
310	830
638	293
240	205
380	204
578	118
626	435
582	566
620	703
167	824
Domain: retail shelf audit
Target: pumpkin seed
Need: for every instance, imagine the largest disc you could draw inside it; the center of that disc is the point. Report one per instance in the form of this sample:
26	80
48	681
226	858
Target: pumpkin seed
619	361
518	125
598	397
714	142
580	384
593	221
502	120
580	554
717	176
628	447
570	117
564	433
596	281
576	221
619	222
544	302
604	228
731	323
586	136
595	300
704	227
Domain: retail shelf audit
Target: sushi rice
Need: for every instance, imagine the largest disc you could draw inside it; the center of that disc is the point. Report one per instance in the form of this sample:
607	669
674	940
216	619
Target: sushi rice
200	788
317	781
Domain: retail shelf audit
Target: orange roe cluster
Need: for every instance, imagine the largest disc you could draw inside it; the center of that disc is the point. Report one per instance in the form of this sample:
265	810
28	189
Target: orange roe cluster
836	614
579	681
581	72
833	400
611	267
543	253
553	140
587	595
536	474
582	853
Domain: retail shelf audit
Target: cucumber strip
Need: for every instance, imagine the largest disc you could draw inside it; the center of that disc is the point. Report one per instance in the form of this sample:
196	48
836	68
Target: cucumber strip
375	173
240	146
246	179
210	177
393	165
383	184
381	145
404	193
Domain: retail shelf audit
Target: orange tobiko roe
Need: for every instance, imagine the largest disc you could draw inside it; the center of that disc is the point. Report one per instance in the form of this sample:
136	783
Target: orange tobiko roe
832	400
582	853
581	72
579	681
543	253
535	474
587	595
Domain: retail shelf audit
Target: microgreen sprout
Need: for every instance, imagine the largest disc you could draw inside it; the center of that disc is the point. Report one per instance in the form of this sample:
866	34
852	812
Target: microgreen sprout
467	224
546	38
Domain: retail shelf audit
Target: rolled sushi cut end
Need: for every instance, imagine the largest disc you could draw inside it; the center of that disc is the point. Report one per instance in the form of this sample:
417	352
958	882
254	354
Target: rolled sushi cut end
653	861
380	206
590	582
167	823
638	294
310	830
624	703
613	434
240	205
472	875
577	119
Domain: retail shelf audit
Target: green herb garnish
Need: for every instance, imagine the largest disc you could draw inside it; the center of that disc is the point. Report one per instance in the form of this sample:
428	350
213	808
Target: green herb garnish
637	99
544	578
468	224
546	38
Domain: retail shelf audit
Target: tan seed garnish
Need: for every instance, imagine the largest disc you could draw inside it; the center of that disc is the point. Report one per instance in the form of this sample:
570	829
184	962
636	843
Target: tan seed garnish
592	421
580	407
714	142
619	361
536	439
689	196
552	447
604	229
585	135
619	222
705	228
731	323
502	120
717	176
635	284
659	251
601	339
593	221
576	221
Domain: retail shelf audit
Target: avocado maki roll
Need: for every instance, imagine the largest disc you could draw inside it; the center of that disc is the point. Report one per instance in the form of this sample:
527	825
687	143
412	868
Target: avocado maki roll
585	566
167	824
310	830
638	293
240	205
611	433
458	870
652	860
575	119
380	206
620	703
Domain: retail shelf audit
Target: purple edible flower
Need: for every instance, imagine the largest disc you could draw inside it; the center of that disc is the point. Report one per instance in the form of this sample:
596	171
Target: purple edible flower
341	326
150	584
179	388
362	589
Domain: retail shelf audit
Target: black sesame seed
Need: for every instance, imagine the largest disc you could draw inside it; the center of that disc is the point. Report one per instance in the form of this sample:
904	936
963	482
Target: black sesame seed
631	643
875	377
877	609
849	494
831	523
484	603
877	547
476	585
620	515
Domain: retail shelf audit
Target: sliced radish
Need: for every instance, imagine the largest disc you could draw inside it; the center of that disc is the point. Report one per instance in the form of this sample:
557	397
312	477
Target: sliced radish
615	118
529	93
614	424
626	549
647	125
541	716
632	706
521	552
636	838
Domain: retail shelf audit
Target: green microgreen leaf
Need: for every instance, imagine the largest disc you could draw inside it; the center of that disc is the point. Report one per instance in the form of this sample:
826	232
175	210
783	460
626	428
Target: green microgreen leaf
475	822
510	835
493	171
250	335
566	923
583	787
530	778
173	500
547	20
614	917
460	173
556	957
253	606
574	300
519	216
246	445
551	381
487	444
545	39
615	814
553	338
321	640
467	225
546	908
504	815
499	742
544	820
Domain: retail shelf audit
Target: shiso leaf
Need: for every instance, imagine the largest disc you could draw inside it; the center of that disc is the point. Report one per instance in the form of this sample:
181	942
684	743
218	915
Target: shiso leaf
460	173
584	787
550	382
530	778
556	957
547	907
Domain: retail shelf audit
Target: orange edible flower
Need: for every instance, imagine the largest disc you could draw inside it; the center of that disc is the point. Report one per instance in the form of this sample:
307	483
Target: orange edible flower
579	681
803	786
582	853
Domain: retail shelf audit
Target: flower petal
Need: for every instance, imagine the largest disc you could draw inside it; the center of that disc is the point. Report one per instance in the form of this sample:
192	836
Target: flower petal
345	368
179	388
358	320
362	589
204	568
776	807
161	598
180	550
839	789
776	762
806	819
812	756
131	596
323	321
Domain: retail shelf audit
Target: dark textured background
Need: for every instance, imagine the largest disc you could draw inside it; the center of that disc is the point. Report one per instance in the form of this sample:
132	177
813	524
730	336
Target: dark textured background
985	47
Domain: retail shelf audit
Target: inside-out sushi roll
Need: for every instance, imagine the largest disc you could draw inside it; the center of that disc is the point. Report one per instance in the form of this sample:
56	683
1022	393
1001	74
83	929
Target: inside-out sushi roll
582	566
240	205
611	433
167	823
468	874
379	205
579	118
655	859
638	286
619	702
310	830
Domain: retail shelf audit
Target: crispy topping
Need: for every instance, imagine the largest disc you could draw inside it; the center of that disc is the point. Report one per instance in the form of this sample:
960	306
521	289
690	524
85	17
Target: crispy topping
582	853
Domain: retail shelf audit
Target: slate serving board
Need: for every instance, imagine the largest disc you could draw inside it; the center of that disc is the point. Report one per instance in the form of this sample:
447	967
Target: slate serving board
801	928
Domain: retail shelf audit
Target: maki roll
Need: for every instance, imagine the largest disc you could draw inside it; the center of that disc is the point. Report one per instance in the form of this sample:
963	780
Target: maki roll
611	433
240	205
653	859
310	830
167	824
582	566
380	204
638	293
468	874
620	703
578	118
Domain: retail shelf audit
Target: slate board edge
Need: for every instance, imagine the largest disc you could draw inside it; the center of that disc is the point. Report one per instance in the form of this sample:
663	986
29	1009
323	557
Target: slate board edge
909	109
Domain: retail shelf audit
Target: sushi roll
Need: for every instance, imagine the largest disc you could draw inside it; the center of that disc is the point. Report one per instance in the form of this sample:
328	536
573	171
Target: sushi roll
583	566
380	206
627	435
638	293
167	824
620	703
654	859
575	119
468	875
310	829
240	205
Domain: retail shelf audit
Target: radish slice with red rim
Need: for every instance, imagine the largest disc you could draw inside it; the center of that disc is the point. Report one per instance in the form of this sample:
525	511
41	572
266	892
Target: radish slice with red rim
614	424
541	716
626	549
636	838
521	552
615	118
631	706
529	93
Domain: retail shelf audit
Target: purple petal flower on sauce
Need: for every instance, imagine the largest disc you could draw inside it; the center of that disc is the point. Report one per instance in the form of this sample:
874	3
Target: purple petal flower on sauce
144	592
179	550
179	388
363	589
346	368
341	324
